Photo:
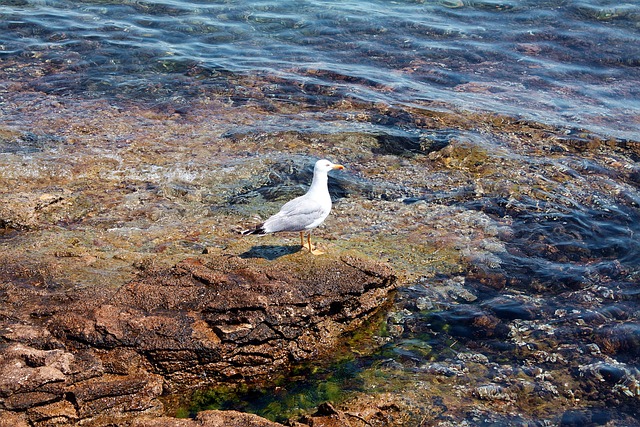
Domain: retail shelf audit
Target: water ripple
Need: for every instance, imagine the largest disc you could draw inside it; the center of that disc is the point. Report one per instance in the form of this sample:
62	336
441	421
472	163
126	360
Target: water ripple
572	65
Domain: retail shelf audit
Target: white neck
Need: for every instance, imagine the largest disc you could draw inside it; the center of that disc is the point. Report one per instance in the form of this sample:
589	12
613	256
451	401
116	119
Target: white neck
319	184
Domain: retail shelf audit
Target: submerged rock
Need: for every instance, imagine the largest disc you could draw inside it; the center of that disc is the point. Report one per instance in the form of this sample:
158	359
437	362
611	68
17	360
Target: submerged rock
101	355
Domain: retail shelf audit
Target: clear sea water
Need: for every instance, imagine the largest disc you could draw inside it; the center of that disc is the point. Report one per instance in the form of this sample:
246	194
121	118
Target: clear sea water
565	62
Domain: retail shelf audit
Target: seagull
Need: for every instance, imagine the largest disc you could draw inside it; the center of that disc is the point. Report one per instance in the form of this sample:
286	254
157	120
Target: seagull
303	213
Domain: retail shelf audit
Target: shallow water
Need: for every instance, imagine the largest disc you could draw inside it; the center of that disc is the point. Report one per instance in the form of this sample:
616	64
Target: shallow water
571	63
492	158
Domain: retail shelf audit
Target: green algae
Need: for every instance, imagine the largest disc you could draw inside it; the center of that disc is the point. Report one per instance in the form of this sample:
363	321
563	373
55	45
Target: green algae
303	388
280	403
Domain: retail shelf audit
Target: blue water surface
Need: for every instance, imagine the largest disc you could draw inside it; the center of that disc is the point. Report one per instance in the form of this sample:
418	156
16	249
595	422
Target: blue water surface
568	63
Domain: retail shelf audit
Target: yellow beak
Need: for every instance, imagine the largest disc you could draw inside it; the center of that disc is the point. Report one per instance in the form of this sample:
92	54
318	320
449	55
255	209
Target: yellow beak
338	167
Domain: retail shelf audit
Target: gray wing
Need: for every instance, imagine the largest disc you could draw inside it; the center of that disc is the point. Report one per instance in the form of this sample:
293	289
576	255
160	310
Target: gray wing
296	215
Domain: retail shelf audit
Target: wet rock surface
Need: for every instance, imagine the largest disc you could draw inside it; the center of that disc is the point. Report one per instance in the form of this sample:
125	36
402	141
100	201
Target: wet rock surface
105	356
515	242
209	419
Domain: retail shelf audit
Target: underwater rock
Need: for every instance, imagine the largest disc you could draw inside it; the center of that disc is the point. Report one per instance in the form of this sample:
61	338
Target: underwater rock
402	143
327	416
106	355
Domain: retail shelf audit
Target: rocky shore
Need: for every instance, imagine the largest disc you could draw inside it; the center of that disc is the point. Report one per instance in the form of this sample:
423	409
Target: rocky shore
124	282
106	356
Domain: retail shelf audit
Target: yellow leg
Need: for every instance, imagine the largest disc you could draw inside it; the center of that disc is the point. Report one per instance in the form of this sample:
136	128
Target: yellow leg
313	251
308	245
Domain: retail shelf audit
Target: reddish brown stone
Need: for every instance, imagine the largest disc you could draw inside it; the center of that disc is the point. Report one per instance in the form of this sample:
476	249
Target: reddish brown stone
104	356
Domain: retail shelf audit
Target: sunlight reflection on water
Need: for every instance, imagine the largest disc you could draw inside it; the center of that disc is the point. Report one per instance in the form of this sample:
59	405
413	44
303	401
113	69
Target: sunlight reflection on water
573	65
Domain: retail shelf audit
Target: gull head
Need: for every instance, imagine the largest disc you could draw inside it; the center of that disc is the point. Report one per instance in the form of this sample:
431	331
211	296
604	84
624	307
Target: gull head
325	166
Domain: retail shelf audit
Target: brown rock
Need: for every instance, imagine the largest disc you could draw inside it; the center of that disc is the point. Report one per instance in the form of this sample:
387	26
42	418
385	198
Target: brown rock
226	318
24	211
57	413
23	370
109	394
12	419
101	355
232	419
18	401
379	409
164	422
327	416
210	419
